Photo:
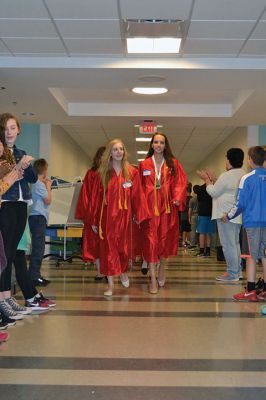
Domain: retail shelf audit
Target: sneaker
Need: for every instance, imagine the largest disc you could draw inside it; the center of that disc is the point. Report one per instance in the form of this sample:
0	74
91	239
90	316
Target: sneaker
45	300
17	307
246	296
37	305
8	321
3	337
207	254
241	277
99	278
3	325
200	255
41	282
259	285
226	278
261	296
8	311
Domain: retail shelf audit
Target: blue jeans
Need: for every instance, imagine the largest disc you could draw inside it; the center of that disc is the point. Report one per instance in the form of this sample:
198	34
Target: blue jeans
229	238
37	225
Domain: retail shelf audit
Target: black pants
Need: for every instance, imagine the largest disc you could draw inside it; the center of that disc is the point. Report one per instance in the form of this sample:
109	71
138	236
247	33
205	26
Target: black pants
37	225
22	275
13	218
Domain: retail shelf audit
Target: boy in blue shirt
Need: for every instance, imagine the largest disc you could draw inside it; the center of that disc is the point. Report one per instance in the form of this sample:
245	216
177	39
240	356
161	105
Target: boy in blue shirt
38	219
251	202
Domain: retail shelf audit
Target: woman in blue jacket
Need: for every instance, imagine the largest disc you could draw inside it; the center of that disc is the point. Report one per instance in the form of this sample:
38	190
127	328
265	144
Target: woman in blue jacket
13	212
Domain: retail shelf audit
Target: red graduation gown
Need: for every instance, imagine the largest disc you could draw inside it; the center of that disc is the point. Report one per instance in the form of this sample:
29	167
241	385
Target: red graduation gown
124	200
161	232
90	242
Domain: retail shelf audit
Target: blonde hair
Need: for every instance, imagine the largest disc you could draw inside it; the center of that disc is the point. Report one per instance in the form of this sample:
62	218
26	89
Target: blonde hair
106	163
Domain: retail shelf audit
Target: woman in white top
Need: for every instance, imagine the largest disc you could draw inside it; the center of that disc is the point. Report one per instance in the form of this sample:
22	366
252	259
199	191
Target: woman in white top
223	193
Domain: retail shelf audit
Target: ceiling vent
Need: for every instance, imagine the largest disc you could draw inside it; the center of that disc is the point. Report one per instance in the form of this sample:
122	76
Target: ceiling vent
154	28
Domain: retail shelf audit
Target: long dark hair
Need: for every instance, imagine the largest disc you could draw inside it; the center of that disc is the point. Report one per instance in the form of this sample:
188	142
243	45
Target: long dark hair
168	154
97	158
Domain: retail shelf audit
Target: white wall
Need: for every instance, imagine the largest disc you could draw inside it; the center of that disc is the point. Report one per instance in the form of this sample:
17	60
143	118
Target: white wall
216	160
67	158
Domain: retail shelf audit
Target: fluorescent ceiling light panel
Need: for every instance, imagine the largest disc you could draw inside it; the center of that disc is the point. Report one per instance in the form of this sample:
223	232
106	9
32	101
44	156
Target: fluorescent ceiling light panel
149	90
142	152
143	139
141	159
162	45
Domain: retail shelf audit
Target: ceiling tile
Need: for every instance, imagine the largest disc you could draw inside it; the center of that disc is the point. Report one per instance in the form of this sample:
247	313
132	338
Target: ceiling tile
220	47
23	9
255	47
227	9
155	9
89	28
34	45
80	9
94	46
260	31
220	29
27	28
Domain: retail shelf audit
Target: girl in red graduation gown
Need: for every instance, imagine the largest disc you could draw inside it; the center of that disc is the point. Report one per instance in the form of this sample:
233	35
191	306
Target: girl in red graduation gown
117	198
164	183
90	242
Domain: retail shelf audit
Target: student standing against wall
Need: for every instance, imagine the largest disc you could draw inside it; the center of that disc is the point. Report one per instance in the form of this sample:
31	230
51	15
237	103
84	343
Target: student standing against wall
13	213
38	220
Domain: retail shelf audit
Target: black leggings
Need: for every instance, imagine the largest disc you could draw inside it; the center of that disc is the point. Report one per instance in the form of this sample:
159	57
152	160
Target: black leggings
13	218
22	275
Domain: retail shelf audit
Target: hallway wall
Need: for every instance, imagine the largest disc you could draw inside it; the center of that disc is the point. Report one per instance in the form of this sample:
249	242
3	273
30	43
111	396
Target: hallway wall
67	158
216	160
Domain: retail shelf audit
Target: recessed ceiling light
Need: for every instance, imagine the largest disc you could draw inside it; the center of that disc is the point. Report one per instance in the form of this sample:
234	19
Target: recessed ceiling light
28	114
149	90
143	139
163	45
141	159
142	152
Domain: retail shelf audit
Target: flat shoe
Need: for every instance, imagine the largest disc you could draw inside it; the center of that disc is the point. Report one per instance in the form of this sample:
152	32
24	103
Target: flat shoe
108	293
125	283
152	290
161	283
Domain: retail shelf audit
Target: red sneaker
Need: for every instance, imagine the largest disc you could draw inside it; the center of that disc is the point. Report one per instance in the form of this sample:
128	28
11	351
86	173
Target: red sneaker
246	296
3	337
44	300
261	296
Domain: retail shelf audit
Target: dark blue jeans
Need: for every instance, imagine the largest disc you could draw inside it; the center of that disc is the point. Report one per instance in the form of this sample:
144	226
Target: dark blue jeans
37	225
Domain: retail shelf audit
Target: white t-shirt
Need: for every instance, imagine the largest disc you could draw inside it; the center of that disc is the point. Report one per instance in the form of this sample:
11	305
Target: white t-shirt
224	193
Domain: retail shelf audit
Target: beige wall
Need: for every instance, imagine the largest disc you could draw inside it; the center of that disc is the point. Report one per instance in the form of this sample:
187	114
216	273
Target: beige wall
216	160
67	158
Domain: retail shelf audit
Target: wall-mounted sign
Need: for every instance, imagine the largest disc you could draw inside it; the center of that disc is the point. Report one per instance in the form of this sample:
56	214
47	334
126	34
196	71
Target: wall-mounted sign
148	127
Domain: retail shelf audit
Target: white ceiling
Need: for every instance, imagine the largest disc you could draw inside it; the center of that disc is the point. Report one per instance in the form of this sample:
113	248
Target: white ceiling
65	61
232	28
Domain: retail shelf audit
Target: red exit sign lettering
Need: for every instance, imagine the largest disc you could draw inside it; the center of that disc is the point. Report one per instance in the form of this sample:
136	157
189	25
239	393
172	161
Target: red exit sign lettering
148	127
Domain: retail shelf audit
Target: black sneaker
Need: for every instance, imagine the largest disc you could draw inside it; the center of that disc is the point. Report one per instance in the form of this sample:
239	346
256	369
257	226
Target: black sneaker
8	321
3	325
8	311
144	268
41	282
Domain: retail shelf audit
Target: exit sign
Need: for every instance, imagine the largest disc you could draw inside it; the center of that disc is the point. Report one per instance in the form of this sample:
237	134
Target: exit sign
148	127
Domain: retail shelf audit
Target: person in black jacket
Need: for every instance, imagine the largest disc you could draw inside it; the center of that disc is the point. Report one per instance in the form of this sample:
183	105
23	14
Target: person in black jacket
13	213
205	225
